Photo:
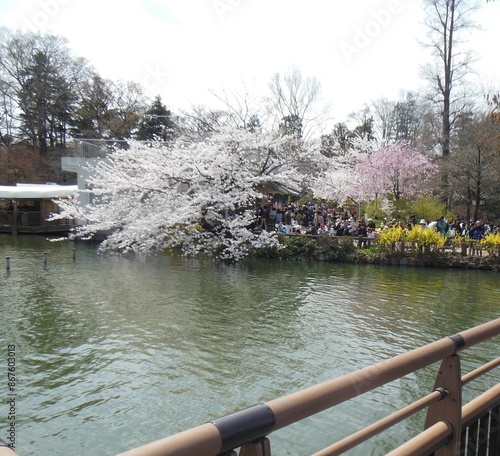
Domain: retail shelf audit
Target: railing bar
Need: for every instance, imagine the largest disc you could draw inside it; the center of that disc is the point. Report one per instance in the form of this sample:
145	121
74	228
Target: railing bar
364	434
495	431
301	404
474	336
202	440
6	451
478	410
463	440
307	402
483	437
481	405
426	442
467	378
472	440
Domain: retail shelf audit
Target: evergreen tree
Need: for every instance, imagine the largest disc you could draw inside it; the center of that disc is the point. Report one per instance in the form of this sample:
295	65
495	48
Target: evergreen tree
39	76
157	123
93	114
291	125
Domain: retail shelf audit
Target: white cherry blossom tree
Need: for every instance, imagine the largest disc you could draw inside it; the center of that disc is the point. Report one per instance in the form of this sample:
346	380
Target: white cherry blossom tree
338	173
196	195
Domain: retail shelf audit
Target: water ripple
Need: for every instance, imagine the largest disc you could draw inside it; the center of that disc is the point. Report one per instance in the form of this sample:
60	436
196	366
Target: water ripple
129	350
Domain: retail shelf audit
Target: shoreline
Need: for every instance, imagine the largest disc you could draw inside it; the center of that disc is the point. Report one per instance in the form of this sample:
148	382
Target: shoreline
330	250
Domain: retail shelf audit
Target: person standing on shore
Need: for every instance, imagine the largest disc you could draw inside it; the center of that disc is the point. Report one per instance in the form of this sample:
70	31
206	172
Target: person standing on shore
287	218
442	226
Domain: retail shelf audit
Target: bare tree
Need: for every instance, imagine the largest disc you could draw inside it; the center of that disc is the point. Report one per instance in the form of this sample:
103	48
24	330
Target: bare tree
383	110
365	124
234	107
129	104
201	121
406	119
473	167
243	109
447	20
296	98
7	107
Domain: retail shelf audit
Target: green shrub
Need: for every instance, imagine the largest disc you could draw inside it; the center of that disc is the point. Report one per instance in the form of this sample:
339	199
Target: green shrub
374	209
305	248
428	207
335	248
300	248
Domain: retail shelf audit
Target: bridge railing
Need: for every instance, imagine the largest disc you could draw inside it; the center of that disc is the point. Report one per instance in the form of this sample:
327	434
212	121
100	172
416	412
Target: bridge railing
96	148
449	427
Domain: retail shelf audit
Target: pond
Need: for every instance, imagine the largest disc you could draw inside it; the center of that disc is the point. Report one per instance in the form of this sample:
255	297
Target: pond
113	352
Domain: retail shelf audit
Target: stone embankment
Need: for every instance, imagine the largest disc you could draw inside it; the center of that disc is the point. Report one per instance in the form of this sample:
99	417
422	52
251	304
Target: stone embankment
441	260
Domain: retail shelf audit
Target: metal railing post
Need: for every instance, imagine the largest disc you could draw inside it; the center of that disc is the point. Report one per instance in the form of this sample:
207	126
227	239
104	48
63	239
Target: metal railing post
249	429
450	408
495	431
261	447
482	435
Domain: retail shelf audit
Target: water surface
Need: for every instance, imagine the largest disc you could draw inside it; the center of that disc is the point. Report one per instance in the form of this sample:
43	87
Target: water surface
114	352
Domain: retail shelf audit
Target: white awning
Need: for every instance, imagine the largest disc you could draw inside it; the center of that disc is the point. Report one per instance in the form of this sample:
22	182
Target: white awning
34	191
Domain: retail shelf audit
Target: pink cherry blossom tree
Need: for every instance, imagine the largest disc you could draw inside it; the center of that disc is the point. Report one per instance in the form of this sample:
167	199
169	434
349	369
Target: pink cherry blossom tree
393	172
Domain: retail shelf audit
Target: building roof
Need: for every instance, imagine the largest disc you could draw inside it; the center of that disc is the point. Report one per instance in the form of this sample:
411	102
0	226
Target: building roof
34	191
277	187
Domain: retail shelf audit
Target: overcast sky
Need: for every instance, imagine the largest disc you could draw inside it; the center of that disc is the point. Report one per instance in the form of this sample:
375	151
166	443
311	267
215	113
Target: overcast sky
360	50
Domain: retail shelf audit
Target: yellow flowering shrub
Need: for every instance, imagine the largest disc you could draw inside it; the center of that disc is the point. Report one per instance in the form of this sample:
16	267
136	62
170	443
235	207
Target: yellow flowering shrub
425	237
458	242
490	243
388	238
417	237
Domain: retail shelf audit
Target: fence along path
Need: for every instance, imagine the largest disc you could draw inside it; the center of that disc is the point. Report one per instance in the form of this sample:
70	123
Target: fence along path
449	428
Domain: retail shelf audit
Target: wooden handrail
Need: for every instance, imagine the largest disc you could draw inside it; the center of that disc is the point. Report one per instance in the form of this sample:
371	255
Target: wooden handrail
485	401
376	428
301	404
426	441
201	440
5	450
467	378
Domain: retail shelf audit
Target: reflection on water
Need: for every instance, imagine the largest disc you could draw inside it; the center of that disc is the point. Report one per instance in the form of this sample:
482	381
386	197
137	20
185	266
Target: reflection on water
115	352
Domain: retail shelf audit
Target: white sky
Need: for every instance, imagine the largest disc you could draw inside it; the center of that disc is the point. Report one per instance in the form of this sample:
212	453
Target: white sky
181	48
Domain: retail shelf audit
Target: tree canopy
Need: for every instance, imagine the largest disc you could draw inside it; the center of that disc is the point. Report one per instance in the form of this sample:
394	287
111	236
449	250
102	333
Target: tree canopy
157	123
394	172
49	96
196	195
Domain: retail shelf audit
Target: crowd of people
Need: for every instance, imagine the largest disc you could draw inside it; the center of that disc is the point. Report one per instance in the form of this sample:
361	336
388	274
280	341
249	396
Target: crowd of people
460	227
313	219
306	219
